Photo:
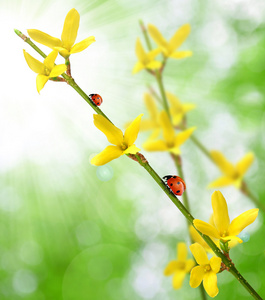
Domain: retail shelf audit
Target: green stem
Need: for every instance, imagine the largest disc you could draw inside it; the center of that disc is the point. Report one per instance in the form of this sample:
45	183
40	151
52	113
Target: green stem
203	293
160	182
201	147
245	190
162	92
146	37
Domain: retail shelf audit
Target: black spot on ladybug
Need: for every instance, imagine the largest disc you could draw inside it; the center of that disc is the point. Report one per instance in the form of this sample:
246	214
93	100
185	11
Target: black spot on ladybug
178	182
171	184
178	191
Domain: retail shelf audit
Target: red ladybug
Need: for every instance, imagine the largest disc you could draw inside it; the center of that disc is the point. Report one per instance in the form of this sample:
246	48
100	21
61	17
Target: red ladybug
96	98
175	184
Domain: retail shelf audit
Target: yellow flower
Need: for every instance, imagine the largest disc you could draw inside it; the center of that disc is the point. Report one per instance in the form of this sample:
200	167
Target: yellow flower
146	60
65	46
177	109
198	239
169	48
206	270
222	229
179	267
45	70
171	141
124	144
232	174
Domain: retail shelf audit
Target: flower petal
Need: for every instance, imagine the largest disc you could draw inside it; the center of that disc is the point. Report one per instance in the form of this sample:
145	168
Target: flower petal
215	263
50	59
139	50
181	54
132	131
63	51
220	212
199	254
178	279
171	268
231	238
179	37
153	65
58	70
113	133
183	136
70	28
168	130
243	165
176	118
155	145
131	150
225	166
157	36
196	276
190	263
187	107
210	284
182	252
221	181
138	67
35	65
108	154
82	45
152	54
44	38
174	101
41	81
147	125
151	107
206	228
242	221
175	150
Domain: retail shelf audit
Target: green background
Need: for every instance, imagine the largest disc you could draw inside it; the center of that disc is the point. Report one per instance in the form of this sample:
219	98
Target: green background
70	230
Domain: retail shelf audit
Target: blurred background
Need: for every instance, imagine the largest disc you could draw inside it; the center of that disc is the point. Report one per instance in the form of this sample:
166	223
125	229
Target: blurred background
70	230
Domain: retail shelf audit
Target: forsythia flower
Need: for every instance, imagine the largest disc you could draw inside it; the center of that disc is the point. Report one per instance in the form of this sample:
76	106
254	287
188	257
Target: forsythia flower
179	267
45	70
171	141
65	46
146	60
124	144
232	174
198	239
222	229
206	270
169	48
177	109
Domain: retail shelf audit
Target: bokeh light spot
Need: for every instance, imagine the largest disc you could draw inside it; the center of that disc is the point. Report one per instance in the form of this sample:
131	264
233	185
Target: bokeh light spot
25	282
105	173
244	236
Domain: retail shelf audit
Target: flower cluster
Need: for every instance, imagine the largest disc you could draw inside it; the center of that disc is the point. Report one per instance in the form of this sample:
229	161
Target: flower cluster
222	231
65	46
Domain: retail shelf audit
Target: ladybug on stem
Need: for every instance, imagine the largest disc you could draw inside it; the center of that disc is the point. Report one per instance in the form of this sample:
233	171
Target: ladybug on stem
176	184
96	98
